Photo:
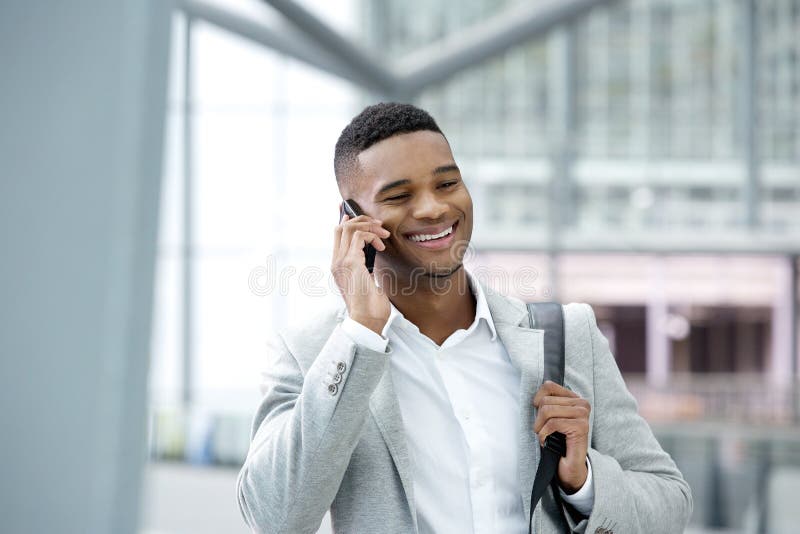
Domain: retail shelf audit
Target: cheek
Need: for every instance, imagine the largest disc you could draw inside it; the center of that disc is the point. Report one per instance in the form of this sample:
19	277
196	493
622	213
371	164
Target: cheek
392	217
466	202
391	221
466	205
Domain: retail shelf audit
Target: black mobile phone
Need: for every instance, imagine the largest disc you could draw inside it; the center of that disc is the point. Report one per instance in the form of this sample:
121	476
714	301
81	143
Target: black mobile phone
351	208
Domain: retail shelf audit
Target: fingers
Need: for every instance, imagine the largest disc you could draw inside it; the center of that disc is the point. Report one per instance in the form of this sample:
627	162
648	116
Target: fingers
561	401
366	303
571	428
556	406
551	389
348	228
548	412
367	224
360	238
344	240
337	237
350	237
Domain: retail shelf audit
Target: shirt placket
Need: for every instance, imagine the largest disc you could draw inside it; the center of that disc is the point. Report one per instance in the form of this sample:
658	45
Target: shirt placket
478	453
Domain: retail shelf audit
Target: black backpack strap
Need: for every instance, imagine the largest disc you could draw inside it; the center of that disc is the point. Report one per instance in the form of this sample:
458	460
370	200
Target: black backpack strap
549	316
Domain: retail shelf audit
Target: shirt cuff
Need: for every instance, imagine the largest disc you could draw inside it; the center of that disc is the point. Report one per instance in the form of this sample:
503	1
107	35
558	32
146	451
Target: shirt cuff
361	335
583	499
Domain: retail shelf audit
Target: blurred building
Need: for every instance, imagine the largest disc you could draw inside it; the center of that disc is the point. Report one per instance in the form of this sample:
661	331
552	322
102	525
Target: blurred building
642	156
654	128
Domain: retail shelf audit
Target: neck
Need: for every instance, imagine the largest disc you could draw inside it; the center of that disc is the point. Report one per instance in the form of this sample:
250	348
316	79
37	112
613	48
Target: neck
438	306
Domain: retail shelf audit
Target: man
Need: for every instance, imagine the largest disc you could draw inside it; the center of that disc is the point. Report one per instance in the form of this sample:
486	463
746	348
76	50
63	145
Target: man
419	407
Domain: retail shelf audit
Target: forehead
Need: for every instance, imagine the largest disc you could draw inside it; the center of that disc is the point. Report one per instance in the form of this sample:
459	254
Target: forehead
406	156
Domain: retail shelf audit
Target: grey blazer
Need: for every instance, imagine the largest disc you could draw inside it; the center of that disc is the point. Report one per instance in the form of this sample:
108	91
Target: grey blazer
328	434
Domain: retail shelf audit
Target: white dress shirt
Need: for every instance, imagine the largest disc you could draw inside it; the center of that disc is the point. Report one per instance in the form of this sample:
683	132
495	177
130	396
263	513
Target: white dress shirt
460	408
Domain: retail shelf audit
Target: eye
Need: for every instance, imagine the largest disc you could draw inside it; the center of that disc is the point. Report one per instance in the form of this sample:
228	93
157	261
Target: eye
397	197
449	184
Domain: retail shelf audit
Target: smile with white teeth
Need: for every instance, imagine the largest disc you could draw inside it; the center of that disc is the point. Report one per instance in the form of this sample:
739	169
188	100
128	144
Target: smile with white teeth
427	237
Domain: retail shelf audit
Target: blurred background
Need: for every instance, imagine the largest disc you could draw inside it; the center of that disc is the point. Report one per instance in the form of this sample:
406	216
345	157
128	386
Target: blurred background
168	198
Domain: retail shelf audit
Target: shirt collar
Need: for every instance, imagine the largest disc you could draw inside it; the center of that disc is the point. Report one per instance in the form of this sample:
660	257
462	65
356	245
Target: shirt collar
481	306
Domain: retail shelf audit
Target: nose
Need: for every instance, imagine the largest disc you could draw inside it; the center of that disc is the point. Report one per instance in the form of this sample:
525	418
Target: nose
429	207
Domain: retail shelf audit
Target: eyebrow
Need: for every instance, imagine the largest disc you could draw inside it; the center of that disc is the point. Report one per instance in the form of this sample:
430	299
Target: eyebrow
438	170
446	168
394	184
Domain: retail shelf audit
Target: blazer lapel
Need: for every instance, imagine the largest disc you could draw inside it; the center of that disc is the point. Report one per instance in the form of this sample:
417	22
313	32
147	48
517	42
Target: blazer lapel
386	411
525	347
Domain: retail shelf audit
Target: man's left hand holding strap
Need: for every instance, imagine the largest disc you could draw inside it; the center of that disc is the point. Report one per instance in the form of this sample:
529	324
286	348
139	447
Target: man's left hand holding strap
561	410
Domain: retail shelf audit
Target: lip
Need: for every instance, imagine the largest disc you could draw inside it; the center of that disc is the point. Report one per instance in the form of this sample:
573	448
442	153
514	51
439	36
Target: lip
436	244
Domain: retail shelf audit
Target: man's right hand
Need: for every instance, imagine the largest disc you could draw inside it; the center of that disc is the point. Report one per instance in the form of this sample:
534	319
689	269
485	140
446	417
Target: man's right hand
366	302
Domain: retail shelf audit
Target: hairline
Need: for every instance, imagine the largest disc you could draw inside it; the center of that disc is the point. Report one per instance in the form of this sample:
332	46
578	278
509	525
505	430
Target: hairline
353	166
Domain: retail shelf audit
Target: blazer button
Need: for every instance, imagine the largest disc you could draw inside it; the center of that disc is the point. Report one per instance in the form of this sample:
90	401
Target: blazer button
341	367
333	389
336	378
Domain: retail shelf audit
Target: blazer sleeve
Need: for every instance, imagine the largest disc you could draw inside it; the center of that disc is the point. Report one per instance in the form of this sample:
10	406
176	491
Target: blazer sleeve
637	486
304	433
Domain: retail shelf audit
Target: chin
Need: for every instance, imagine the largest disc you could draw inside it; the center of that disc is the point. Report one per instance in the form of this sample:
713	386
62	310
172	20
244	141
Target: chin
445	273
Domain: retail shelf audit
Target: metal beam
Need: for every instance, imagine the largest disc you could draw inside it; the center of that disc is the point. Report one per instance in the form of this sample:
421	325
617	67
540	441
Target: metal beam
187	258
320	46
793	305
749	113
563	77
441	60
281	38
368	67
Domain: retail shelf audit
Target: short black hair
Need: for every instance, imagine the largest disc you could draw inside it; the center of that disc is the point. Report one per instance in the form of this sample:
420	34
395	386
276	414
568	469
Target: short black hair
374	124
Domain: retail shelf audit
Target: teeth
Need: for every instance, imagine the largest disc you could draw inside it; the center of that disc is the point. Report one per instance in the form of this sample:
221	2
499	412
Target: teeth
427	237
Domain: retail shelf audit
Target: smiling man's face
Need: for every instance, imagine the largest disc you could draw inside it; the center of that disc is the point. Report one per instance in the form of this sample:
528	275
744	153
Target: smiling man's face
411	182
